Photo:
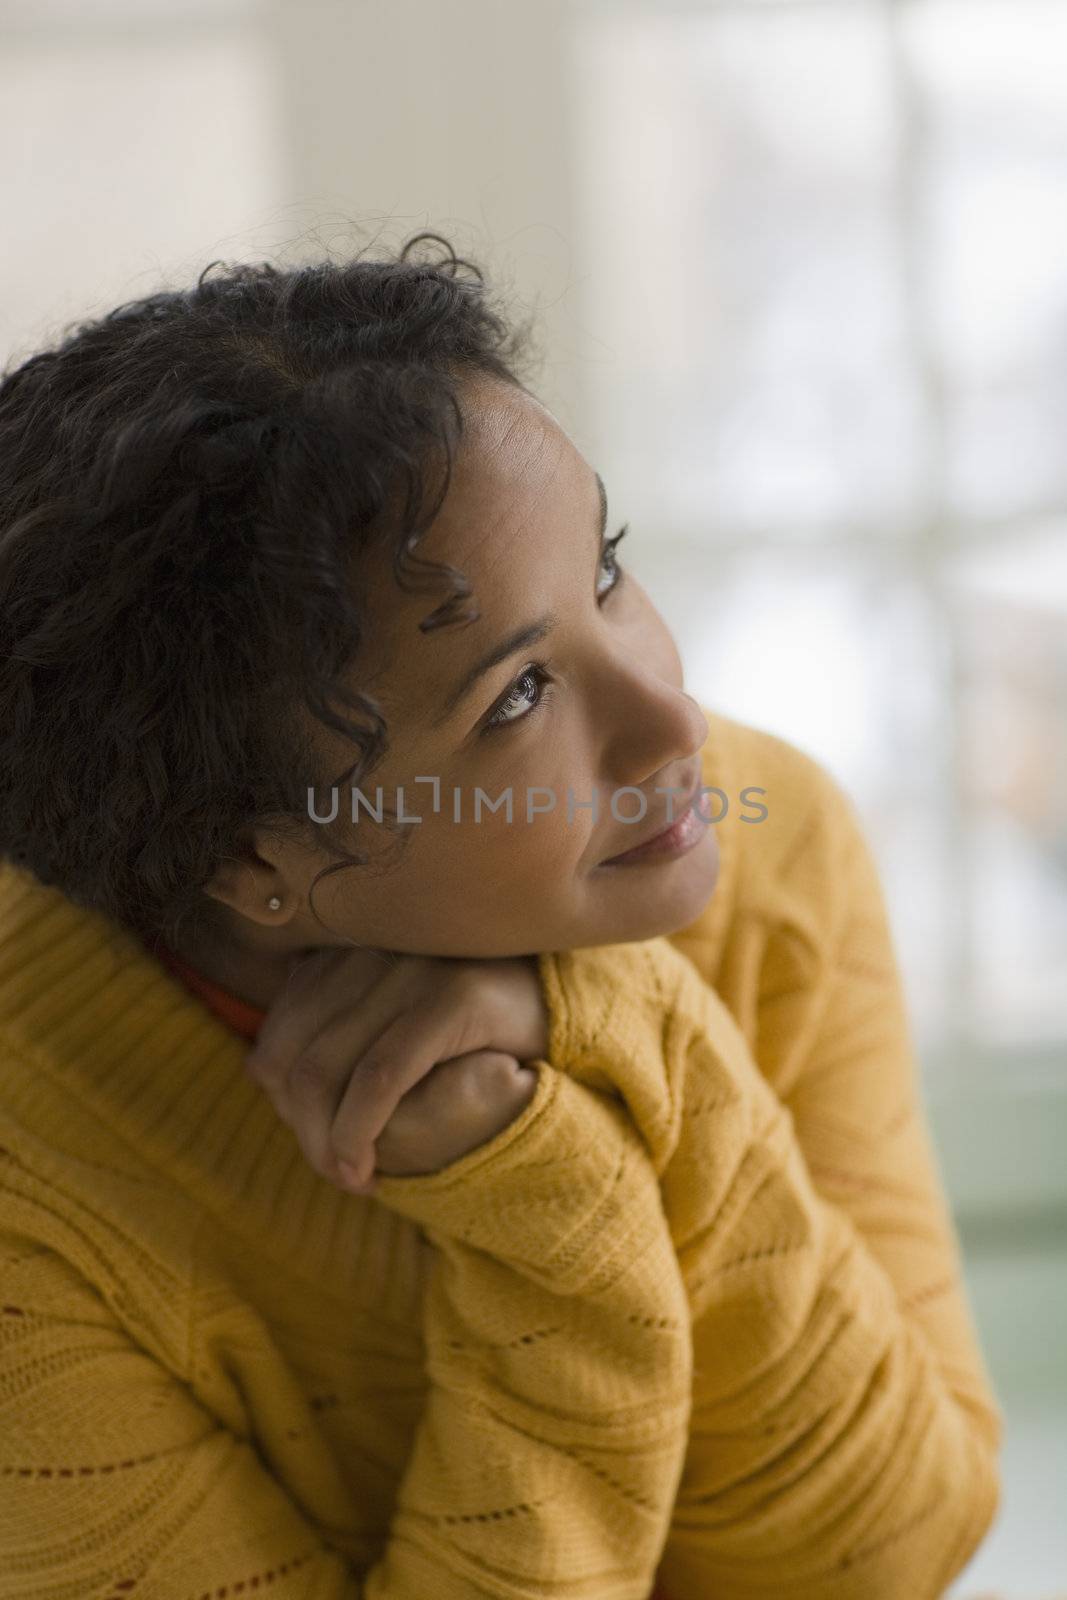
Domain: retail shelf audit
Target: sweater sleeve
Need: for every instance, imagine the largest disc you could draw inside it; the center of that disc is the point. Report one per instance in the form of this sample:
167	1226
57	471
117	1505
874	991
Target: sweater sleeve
843	1438
559	1352
114	1481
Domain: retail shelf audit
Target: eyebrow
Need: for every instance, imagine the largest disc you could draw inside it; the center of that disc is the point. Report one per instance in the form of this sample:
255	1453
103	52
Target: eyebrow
528	634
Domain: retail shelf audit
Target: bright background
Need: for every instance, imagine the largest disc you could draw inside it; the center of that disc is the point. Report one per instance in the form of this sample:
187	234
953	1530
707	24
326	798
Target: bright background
801	275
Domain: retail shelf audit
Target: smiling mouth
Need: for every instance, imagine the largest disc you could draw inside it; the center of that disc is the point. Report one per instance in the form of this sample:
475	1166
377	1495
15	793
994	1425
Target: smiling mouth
679	812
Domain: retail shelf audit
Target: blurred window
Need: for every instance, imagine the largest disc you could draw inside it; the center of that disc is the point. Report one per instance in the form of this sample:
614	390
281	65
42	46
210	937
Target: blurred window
827	265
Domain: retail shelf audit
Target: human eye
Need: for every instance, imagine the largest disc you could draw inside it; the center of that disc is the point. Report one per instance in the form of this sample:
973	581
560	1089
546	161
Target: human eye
536	674
535	679
615	572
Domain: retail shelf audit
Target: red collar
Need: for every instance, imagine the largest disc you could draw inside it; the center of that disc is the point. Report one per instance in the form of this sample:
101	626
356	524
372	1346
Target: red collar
239	1015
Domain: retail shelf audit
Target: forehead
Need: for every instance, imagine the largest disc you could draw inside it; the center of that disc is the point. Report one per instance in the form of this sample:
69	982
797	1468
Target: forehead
515	472
510	451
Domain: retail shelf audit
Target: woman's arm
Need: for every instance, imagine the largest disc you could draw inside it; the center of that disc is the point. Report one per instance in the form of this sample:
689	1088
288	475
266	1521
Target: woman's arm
558	1347
843	1439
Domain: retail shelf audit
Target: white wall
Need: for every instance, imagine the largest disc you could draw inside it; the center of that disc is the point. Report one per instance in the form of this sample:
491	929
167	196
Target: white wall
136	145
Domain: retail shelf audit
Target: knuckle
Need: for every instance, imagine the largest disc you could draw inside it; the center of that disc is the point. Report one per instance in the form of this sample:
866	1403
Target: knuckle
496	1065
377	1073
306	1080
481	1072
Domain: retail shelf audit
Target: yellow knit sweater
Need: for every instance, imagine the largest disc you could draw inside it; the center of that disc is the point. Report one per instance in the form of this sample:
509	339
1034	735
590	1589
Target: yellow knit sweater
695	1318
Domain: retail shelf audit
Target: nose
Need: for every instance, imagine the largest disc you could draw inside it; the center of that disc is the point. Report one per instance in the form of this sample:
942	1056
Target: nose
657	727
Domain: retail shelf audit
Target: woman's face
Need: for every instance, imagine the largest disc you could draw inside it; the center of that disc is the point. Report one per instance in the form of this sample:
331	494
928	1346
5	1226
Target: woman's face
595	704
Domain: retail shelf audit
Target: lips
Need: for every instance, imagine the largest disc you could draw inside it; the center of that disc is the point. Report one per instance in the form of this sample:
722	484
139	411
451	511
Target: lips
678	811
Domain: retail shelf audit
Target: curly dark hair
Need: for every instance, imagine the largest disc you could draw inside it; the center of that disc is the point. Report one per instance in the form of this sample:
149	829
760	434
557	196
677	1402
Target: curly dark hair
186	486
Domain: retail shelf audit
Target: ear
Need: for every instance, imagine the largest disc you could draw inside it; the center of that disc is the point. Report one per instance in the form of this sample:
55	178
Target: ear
247	881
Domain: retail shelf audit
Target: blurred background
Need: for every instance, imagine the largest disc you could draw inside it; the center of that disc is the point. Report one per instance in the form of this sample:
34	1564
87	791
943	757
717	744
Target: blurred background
800	268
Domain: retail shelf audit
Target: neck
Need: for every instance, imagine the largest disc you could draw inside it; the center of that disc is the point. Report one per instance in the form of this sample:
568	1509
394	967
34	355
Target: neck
255	974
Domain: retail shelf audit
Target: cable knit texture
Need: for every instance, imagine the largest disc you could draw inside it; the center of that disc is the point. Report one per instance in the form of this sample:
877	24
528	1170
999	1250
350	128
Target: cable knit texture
696	1319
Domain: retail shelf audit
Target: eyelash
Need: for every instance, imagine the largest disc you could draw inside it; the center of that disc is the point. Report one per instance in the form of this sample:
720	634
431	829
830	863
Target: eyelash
538	670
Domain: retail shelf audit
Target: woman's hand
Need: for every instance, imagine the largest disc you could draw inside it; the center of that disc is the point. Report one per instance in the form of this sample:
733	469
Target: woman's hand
426	1048
458	1106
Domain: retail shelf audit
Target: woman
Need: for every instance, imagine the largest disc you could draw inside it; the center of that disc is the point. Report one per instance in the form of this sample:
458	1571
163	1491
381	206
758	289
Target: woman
643	1273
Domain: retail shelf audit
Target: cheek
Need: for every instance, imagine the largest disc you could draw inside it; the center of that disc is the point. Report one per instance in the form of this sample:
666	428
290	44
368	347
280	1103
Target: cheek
531	850
537	843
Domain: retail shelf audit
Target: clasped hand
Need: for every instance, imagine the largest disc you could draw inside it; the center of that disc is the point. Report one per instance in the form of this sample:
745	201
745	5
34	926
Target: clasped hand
399	1064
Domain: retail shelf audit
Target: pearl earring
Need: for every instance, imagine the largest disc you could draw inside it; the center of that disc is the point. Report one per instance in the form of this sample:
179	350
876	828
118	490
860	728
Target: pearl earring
274	903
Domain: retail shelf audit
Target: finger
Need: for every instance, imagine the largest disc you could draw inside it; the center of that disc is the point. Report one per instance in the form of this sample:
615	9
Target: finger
295	1013
410	1047
321	985
308	1089
424	990
307	1086
351	1180
306	1099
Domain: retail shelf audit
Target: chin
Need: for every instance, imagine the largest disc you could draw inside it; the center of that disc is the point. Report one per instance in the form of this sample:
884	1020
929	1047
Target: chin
671	894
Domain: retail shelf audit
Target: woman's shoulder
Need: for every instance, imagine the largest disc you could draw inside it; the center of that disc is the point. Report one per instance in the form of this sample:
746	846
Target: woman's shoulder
778	802
754	758
786	831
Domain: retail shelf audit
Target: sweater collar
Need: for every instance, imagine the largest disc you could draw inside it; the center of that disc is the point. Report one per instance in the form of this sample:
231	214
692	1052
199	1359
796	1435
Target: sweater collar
110	1059
238	1015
